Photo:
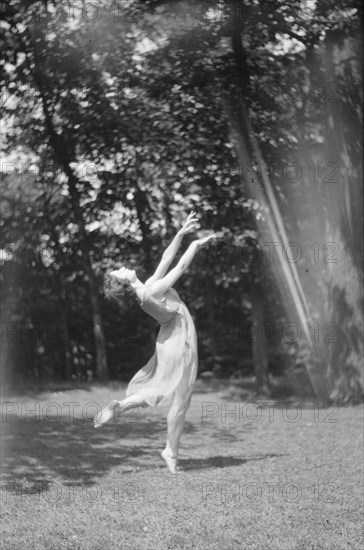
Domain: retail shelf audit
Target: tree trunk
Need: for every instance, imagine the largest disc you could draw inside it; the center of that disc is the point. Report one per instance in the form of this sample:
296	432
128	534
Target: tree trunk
271	226
67	351
141	204
343	197
210	292
259	338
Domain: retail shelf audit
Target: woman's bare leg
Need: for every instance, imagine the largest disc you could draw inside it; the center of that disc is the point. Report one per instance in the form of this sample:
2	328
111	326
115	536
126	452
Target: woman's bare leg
107	413
175	421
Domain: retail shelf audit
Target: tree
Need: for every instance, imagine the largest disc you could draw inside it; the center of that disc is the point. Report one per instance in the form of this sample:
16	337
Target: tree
168	106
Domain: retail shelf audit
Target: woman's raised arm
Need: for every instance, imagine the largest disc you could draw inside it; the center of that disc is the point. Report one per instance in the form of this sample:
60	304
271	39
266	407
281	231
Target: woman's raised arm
171	250
158	288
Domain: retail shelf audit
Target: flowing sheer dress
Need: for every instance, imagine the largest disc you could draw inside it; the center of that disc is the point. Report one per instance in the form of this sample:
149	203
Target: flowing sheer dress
173	365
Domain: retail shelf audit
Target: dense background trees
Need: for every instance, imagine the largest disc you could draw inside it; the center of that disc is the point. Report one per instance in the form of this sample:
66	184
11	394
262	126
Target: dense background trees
119	119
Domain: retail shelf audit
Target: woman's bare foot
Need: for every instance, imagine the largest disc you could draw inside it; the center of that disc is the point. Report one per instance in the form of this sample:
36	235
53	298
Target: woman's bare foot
171	462
105	415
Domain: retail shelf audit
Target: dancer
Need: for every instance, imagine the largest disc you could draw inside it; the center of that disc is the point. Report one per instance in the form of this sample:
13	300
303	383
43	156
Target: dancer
169	376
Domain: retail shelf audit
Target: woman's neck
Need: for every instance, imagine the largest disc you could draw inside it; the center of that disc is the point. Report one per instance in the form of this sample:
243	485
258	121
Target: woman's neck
136	284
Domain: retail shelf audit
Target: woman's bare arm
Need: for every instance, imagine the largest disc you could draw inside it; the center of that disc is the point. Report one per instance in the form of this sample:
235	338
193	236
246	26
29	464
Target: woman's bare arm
171	251
158	288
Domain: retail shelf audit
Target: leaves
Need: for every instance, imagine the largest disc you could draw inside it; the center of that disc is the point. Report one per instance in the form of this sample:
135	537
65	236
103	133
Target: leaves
136	97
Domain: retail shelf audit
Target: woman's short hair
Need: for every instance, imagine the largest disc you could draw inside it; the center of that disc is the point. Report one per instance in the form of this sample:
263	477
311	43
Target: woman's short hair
116	289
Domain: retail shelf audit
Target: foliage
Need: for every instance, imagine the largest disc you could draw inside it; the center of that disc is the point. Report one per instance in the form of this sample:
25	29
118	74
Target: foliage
134	100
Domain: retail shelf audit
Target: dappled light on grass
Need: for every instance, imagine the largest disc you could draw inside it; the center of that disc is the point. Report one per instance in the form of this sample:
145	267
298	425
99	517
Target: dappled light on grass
89	487
74	450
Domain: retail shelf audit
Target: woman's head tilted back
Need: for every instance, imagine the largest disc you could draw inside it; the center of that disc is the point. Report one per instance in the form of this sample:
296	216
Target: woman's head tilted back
116	288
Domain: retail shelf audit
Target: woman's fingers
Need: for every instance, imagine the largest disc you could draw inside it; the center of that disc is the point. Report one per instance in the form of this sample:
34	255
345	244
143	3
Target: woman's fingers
192	221
205	239
190	216
189	225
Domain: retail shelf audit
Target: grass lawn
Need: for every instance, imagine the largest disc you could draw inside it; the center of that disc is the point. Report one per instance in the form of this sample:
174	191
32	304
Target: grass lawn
271	477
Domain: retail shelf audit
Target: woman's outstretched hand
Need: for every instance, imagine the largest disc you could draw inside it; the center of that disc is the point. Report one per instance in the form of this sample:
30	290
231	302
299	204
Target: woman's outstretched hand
204	240
189	225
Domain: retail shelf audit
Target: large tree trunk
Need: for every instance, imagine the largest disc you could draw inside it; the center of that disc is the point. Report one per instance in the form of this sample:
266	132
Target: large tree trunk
343	203
60	289
239	133
271	227
242	147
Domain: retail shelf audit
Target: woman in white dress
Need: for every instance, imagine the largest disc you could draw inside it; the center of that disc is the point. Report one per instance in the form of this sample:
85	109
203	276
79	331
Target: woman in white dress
169	375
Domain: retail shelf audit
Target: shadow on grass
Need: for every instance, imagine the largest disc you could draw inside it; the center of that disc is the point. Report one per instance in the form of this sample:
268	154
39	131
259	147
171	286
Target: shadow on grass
39	454
221	461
